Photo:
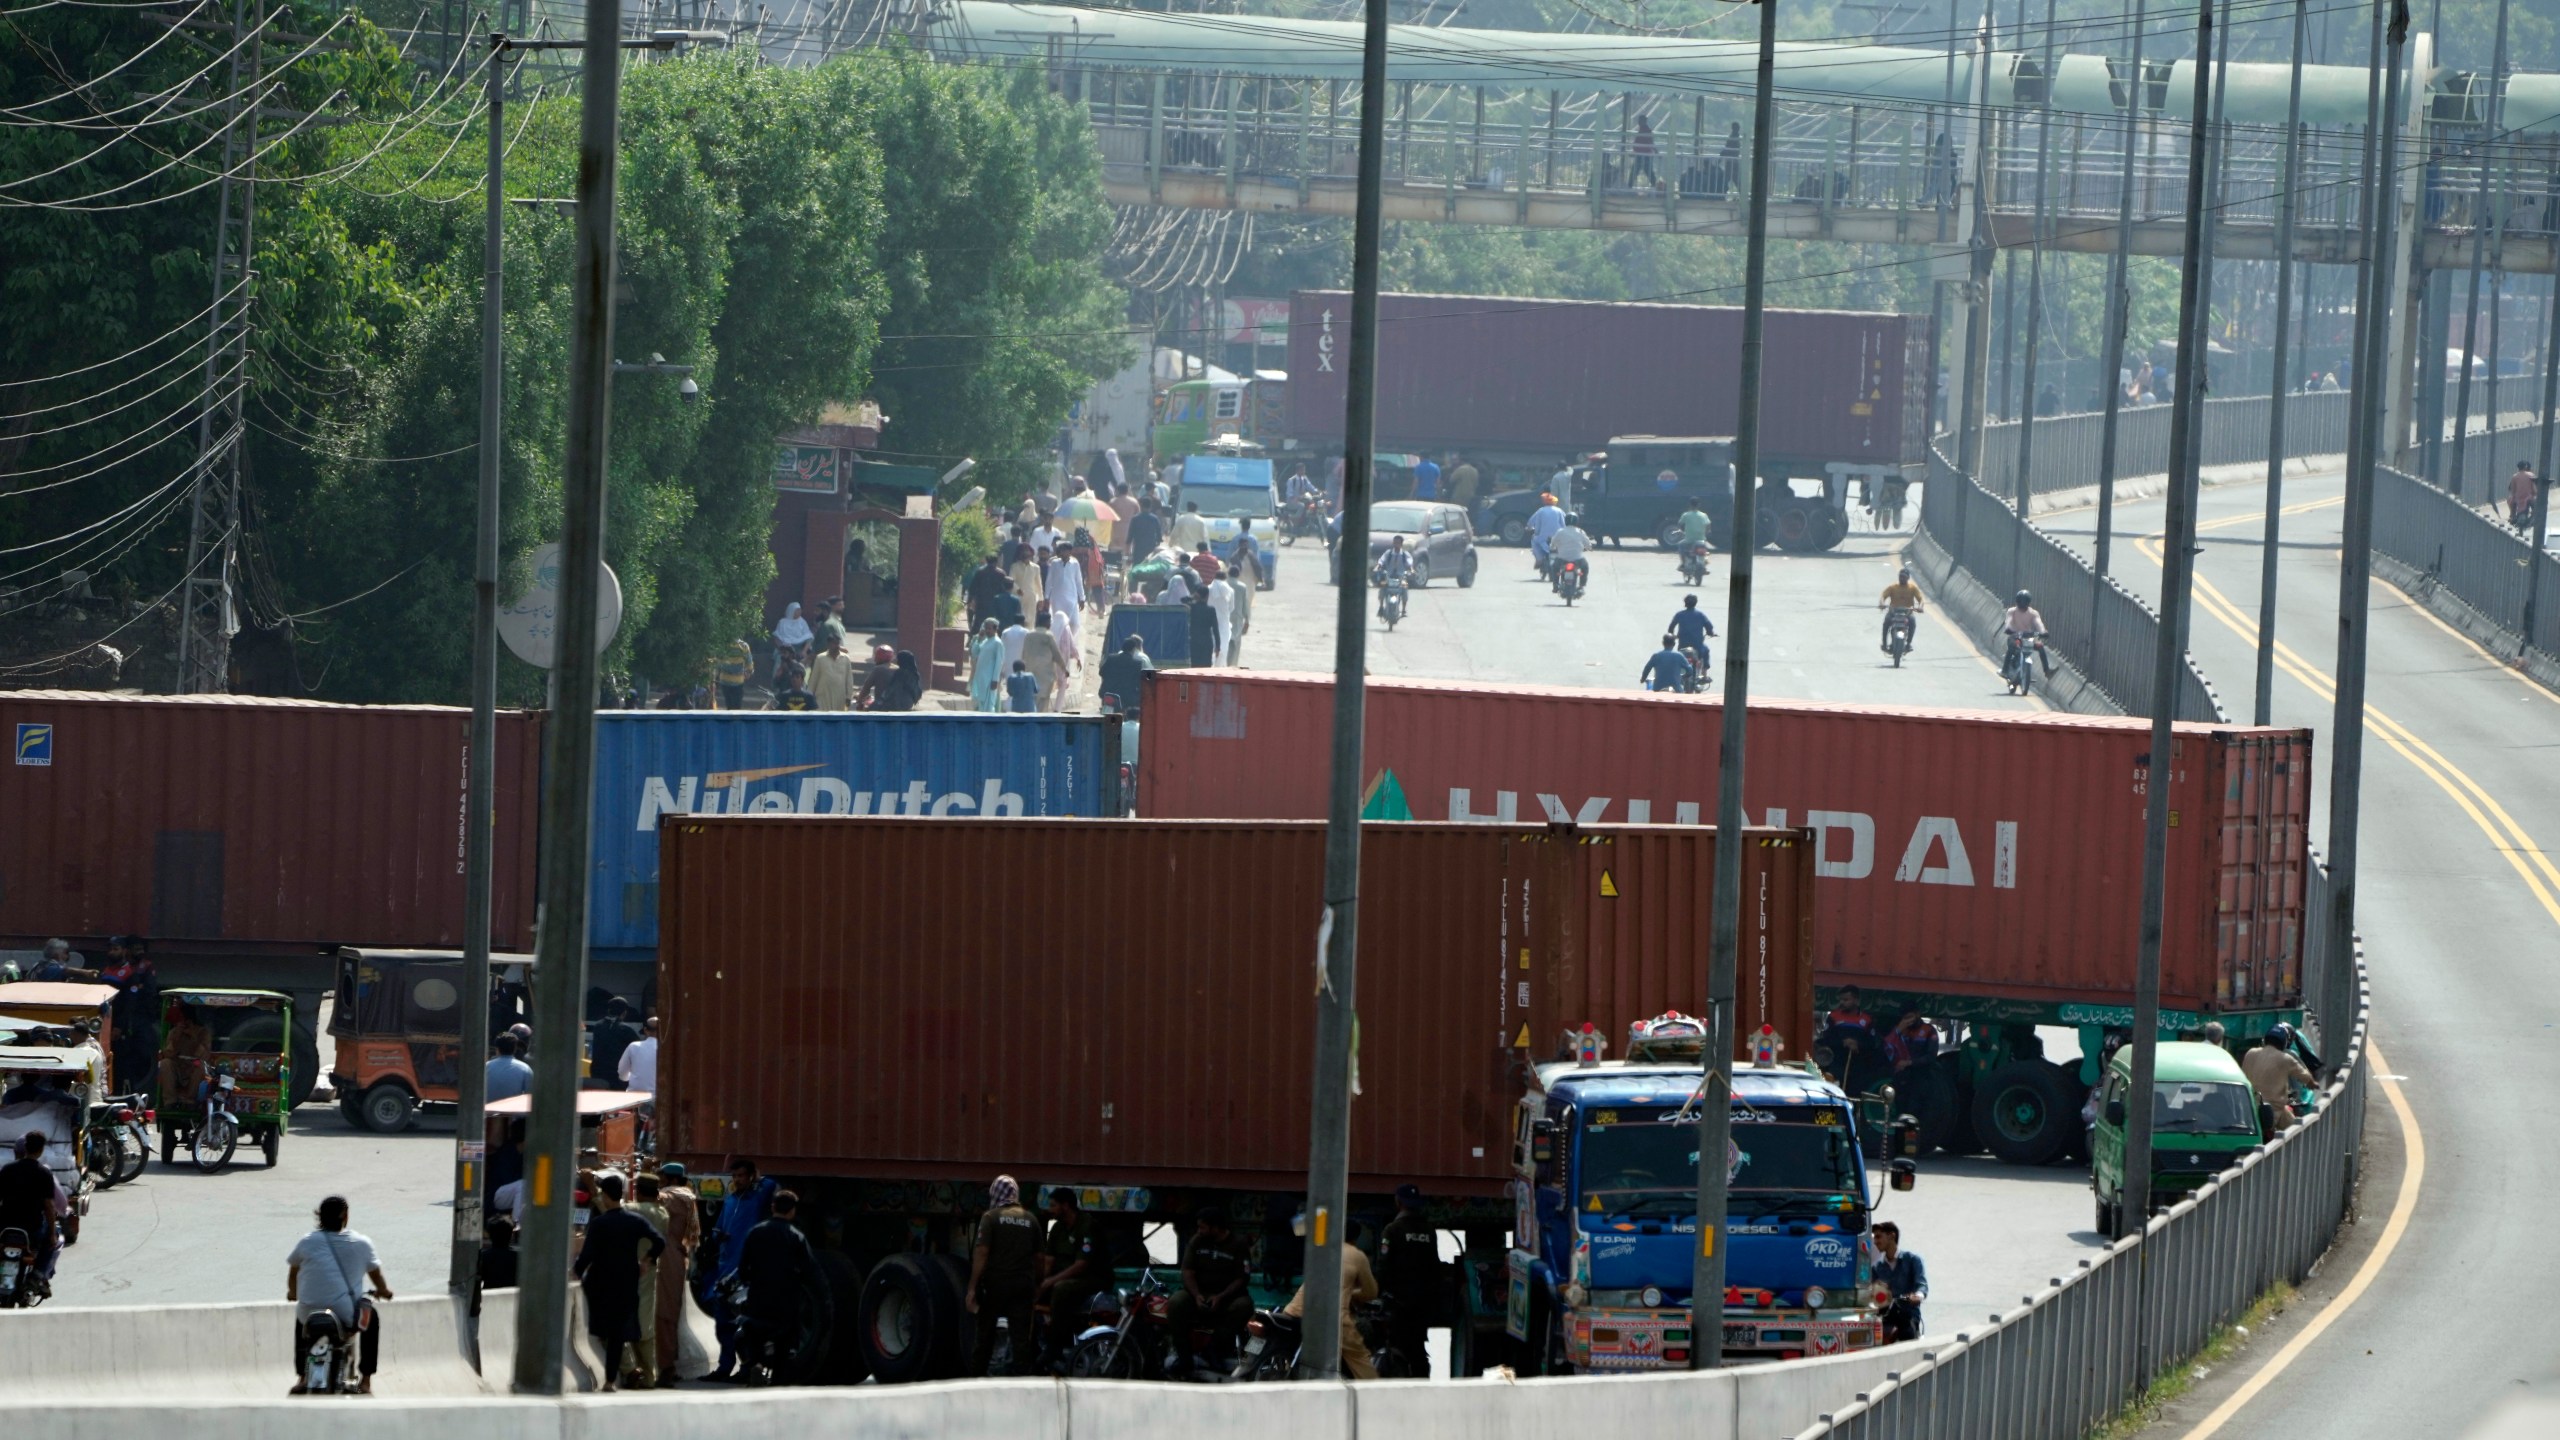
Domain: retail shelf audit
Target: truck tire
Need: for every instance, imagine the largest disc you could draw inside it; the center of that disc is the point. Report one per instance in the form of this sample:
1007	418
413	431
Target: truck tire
840	1360
2023	1115
897	1319
1830	527
1791	528
1667	533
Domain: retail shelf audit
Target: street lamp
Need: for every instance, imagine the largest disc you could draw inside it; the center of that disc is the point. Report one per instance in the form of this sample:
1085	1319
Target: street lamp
657	365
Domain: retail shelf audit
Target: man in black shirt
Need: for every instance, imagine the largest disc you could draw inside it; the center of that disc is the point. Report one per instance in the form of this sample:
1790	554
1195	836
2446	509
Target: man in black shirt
1146	532
1004	1271
1124	675
31	1201
607	1039
1213	1287
778	1268
1409	1272
618	1247
1075	1262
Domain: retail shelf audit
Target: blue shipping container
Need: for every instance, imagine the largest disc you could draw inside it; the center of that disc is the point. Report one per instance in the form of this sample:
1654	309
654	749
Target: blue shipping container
1166	629
937	763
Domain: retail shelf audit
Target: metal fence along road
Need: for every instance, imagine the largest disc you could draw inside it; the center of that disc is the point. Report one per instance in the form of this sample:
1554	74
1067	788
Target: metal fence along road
2106	631
2234	431
2075	1354
2483	563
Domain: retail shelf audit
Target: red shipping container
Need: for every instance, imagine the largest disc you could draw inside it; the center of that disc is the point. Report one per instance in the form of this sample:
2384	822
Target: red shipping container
255	823
917	1026
1958	854
1558	377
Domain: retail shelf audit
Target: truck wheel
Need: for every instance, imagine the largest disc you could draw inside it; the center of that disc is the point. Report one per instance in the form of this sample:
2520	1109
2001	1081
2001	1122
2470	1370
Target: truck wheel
836	1356
1830	527
2022	1115
1791	529
386	1109
1667	533
896	1319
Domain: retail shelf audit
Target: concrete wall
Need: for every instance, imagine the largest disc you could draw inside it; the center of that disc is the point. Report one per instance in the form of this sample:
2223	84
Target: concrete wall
212	1352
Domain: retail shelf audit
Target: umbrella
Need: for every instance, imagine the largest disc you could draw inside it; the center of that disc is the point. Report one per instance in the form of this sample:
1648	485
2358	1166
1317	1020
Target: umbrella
1090	513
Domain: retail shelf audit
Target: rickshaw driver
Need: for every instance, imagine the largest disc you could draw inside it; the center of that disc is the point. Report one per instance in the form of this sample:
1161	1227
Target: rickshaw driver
184	1054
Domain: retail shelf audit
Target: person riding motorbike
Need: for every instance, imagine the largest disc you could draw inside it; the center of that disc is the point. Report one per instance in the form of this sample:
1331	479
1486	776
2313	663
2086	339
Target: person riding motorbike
1395	563
1693	629
1900	600
1569	546
1693	536
1544	522
2022	624
31	1200
1300	487
1668	669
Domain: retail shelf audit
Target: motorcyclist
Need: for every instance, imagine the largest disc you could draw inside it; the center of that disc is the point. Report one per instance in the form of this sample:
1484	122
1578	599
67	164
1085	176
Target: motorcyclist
2022	624
1693	629
1570	546
1395	564
1075	1264
1693	529
32	1200
1899	598
1668	669
1544	522
2274	1073
1300	487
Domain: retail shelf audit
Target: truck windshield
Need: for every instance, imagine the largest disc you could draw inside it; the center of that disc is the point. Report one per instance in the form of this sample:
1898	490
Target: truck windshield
1229	502
2190	1107
1648	1165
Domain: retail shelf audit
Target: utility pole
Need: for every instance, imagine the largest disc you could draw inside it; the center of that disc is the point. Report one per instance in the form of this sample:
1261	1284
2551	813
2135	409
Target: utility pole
2368	239
2168	659
2355	590
560	945
1337	935
1977	330
1724	928
207	612
2262	705
2486	146
2119	301
2025	478
479	836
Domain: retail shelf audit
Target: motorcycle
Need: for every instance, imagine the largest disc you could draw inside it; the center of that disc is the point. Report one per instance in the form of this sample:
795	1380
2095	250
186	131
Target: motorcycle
113	1146
1137	1343
219	1132
1696	684
22	1284
1301	518
1572	577
1391	600
1272	1342
1901	628
2019	667
1693	564
329	1366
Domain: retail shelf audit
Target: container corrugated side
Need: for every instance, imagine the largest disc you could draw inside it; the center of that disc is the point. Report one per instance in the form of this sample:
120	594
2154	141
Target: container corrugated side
918	1024
1963	853
250	822
1567	375
938	764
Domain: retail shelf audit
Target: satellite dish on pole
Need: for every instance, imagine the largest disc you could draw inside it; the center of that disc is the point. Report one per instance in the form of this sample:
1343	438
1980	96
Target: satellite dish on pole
529	623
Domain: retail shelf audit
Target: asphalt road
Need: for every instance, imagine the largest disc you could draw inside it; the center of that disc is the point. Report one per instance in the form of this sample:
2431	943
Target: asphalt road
1990	1233
2460	913
177	1237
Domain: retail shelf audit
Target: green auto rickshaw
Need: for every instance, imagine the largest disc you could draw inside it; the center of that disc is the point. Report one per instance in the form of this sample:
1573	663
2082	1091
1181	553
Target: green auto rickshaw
225	1072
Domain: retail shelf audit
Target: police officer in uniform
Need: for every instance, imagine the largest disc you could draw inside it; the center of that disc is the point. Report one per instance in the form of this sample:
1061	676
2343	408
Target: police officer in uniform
1214	1292
1409	1273
1004	1271
1075	1263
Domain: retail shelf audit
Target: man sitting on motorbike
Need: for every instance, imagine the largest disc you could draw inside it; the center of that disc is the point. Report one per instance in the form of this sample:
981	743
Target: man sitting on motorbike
1544	522
1214	1294
1300	488
1693	629
1900	601
1395	565
1693	529
2022	625
1668	669
1570	546
31	1200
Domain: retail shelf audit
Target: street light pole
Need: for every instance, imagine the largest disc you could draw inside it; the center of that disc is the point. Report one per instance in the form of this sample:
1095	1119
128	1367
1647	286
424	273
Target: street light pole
1715	1085
2119	303
1337	935
2262	706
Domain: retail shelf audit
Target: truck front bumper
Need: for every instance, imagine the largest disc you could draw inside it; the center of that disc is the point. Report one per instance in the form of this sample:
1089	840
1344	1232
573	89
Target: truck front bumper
1609	1341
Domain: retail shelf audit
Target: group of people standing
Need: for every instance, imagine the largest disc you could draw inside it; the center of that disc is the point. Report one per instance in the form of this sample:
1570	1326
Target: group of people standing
813	669
1027	606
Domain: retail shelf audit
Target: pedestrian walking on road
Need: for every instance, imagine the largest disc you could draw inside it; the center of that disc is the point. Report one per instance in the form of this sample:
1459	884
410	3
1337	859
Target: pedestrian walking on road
1204	631
619	1248
986	669
731	672
638	1067
684	1236
1066	589
327	1271
2523	487
1021	691
1899	1274
647	1204
1004	1271
831	677
1047	659
1222	609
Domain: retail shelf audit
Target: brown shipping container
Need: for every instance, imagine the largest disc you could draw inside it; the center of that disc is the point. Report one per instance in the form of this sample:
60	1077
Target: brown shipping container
1958	853
254	823
1559	377
852	996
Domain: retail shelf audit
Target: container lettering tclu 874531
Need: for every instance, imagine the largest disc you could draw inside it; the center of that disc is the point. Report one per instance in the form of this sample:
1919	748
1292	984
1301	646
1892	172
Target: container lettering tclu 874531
1122	1002
1958	854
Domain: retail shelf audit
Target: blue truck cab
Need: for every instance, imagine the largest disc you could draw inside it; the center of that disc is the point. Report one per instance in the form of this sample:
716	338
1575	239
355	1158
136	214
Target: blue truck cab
1607	1190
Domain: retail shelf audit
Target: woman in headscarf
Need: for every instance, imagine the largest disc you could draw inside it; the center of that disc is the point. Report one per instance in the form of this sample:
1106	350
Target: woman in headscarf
904	690
792	637
987	668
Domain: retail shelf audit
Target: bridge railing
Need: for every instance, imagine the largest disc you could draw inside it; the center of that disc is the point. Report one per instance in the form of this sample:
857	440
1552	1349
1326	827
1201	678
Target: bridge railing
2233	431
2076	1352
2485	564
2102	627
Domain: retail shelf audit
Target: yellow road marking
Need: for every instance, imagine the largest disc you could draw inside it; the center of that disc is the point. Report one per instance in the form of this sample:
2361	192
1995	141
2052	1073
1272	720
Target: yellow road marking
2403	1206
2505	667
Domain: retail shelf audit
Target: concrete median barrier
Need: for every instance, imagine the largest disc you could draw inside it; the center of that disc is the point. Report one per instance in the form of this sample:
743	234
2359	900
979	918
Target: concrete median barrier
211	1352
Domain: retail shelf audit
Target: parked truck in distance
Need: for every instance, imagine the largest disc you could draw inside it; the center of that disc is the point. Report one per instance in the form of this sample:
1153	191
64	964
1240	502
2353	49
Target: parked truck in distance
887	1047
